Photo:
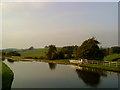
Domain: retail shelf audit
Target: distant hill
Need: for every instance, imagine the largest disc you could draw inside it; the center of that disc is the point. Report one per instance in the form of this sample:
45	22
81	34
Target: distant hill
10	49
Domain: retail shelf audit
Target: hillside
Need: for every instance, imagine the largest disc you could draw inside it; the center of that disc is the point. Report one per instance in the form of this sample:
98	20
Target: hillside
111	57
35	53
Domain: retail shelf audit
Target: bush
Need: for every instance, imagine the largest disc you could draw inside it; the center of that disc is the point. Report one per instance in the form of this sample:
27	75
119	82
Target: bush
13	53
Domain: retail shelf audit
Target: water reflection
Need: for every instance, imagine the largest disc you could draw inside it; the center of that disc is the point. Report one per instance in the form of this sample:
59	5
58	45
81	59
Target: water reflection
90	76
25	72
52	66
10	60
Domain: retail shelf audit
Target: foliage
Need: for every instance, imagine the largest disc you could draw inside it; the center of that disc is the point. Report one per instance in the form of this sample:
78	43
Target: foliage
114	50
105	51
31	48
61	55
52	52
13	53
68	51
89	50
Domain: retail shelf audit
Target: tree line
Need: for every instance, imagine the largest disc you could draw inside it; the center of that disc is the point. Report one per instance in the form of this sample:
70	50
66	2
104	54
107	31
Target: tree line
89	49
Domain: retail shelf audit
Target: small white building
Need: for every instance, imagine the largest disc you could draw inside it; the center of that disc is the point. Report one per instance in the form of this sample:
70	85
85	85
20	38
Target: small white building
81	61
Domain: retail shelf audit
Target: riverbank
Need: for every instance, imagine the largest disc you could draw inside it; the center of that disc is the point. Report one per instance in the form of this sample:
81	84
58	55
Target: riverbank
7	76
66	62
102	67
58	61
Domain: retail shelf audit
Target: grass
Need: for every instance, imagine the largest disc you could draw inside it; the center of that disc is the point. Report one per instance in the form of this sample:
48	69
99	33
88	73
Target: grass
7	76
111	57
61	60
36	53
104	67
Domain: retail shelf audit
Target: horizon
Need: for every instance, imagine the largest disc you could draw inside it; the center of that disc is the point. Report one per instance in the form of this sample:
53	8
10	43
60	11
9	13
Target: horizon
41	24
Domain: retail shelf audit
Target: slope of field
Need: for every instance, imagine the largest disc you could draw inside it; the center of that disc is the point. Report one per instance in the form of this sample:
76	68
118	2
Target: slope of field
35	53
111	57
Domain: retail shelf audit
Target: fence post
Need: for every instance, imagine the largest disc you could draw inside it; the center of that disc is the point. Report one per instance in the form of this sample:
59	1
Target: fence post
97	62
116	64
109	63
103	63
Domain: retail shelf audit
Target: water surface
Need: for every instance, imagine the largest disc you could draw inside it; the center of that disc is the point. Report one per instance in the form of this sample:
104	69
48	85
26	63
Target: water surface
48	75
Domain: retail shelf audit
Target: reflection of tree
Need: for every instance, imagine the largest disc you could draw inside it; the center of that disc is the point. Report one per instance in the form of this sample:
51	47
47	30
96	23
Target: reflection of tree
90	78
10	60
52	66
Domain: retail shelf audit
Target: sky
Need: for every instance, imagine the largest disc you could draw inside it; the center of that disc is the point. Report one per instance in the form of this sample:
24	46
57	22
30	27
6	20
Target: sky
60	0
38	24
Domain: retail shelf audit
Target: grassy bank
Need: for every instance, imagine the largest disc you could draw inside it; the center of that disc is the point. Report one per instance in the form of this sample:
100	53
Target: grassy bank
66	61
111	57
103	67
57	61
7	76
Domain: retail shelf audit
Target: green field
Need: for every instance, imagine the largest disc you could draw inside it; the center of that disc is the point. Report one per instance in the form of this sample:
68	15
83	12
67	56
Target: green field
35	53
111	57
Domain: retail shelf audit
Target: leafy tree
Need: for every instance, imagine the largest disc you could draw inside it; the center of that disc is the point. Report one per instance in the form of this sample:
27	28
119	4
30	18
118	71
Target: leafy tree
89	50
61	55
114	50
31	48
68	51
52	52
46	47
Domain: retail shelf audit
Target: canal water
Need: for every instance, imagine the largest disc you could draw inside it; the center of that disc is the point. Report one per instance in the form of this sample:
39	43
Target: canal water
47	75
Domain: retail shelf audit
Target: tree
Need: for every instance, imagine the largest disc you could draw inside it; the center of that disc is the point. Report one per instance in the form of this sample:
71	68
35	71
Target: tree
114	49
89	50
61	55
68	51
13	53
31	48
52	52
46	47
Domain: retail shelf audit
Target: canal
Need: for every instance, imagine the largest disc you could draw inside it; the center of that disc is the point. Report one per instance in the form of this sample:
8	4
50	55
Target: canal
47	75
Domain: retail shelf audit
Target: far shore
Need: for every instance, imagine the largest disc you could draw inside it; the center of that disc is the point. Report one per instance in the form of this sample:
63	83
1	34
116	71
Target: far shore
66	62
48	61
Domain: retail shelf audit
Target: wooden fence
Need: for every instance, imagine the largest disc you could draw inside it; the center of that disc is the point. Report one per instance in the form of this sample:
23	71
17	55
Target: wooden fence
107	63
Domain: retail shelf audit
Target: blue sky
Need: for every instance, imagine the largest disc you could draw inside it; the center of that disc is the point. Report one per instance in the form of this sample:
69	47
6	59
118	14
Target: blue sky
38	24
